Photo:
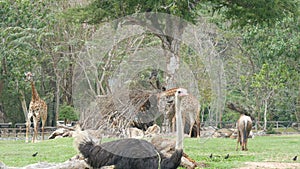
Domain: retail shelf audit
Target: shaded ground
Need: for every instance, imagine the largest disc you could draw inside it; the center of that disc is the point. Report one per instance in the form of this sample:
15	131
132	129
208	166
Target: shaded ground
278	165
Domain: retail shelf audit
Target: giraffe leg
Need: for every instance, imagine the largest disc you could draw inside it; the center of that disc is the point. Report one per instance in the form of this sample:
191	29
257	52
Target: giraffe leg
198	128
191	129
43	125
35	124
44	118
28	124
192	121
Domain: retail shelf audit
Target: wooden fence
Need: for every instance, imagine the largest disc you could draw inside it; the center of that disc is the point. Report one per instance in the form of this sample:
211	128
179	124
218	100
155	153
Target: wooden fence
18	131
274	124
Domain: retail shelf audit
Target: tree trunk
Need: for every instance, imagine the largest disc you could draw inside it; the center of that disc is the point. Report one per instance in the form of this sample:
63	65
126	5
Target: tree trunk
297	112
171	42
257	110
265	114
57	97
23	103
172	54
55	60
69	83
2	73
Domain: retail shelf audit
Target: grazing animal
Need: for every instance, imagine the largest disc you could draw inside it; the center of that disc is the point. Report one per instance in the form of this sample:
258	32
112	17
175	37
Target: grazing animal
227	156
37	110
211	155
190	108
244	126
131	153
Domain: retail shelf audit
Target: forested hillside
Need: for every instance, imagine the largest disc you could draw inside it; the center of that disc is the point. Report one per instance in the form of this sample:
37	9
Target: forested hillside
253	58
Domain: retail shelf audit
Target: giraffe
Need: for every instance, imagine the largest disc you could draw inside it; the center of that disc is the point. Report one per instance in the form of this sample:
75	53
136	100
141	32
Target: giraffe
190	110
37	110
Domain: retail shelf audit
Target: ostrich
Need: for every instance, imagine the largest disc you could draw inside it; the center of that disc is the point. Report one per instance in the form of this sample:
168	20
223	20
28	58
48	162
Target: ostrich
132	153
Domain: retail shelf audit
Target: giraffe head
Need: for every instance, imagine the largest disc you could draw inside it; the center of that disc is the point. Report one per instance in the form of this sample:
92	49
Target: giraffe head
29	76
166	98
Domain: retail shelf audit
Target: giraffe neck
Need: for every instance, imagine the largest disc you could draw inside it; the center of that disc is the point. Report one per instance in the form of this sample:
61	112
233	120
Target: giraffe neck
35	95
170	92
179	124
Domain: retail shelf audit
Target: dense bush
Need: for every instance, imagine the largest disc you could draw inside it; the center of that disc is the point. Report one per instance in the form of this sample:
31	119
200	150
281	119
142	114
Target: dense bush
68	113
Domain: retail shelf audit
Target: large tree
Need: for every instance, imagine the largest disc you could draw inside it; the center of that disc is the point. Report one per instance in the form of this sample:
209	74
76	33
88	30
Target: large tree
266	69
241	12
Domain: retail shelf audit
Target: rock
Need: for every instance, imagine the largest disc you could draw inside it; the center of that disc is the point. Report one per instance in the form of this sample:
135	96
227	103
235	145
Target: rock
233	135
216	135
261	133
133	132
152	131
2	165
208	131
224	132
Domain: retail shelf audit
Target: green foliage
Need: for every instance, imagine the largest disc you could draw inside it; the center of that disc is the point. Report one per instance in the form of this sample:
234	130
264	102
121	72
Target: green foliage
100	11
272	77
241	12
255	12
230	116
272	42
22	24
269	55
67	112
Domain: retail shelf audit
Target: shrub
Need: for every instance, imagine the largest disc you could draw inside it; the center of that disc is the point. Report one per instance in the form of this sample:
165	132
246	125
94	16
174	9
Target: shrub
67	113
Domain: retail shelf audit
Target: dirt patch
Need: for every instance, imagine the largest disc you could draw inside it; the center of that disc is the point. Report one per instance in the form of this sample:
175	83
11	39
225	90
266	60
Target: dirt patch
278	165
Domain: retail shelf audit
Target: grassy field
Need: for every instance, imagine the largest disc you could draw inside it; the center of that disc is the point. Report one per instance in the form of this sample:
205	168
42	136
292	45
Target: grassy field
266	148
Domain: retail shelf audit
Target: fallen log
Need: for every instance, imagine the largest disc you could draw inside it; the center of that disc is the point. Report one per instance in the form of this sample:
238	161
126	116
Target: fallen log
62	131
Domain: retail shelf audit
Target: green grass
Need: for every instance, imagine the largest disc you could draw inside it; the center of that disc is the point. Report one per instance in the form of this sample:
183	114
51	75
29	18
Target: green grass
19	154
289	129
266	148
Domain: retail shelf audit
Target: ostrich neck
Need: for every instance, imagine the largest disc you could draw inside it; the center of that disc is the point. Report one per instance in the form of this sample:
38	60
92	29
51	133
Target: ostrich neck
179	128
